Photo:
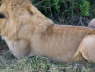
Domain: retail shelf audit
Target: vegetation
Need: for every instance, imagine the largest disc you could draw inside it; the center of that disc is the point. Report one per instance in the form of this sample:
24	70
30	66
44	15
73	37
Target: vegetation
41	64
73	12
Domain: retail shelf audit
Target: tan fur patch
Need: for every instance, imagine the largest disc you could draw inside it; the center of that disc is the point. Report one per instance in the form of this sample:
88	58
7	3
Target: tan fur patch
28	32
92	23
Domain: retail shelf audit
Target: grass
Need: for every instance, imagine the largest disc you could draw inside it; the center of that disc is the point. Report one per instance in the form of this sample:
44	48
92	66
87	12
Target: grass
41	64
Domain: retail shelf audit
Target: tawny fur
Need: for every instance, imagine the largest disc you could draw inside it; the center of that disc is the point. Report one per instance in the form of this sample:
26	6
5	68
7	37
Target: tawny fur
92	23
28	32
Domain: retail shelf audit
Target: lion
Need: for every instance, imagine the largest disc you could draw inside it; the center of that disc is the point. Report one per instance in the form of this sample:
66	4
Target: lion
92	23
28	32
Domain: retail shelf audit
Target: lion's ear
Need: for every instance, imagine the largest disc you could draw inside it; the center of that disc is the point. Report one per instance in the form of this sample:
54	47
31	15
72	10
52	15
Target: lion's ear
32	9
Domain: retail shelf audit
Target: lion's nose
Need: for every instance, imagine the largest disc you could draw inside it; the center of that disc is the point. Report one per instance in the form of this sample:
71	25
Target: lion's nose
2	15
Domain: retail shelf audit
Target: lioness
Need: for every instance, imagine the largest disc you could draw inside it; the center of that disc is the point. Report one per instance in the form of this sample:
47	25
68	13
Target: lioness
28	32
92	23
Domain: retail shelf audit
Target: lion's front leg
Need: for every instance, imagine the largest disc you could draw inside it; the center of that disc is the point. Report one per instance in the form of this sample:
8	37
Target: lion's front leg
19	48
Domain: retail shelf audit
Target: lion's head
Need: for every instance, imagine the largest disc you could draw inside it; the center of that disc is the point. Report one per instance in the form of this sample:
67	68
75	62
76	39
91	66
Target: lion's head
21	12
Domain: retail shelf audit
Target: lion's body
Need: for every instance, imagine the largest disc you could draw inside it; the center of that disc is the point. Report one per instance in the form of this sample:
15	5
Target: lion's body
28	32
91	24
59	43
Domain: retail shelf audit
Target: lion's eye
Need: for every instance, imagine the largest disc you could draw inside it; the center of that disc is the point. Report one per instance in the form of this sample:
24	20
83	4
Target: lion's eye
2	16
